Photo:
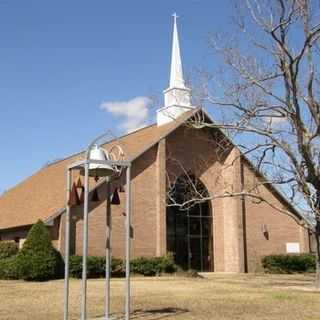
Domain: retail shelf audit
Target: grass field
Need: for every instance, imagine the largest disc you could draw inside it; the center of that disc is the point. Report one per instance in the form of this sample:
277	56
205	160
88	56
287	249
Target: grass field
219	296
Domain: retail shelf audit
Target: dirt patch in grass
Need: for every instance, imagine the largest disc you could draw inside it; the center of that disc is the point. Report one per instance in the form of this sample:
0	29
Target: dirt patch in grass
219	296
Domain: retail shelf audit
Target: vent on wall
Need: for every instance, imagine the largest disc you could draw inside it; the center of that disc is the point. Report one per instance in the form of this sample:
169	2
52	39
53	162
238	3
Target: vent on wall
293	247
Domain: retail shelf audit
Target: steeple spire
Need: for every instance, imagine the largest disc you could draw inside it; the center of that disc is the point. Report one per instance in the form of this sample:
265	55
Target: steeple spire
177	98
176	74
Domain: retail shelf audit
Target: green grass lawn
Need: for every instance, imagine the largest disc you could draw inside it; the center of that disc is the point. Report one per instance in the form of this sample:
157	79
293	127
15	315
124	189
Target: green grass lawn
221	296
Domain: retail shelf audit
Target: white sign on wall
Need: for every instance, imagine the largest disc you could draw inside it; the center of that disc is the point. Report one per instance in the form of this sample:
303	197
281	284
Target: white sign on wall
293	247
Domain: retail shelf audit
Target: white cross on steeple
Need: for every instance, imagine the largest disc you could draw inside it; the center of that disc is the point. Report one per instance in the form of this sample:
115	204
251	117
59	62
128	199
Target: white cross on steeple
175	16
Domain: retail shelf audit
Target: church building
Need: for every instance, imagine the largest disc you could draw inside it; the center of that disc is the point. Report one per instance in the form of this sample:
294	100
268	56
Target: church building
178	172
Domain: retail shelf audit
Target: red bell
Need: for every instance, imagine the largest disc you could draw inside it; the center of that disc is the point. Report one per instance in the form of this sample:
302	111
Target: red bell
73	196
115	197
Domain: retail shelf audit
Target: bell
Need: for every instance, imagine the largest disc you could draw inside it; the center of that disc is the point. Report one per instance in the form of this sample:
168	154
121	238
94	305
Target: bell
115	198
79	183
73	196
98	170
95	196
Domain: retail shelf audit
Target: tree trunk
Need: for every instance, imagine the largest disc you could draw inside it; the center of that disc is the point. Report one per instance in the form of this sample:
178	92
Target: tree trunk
317	238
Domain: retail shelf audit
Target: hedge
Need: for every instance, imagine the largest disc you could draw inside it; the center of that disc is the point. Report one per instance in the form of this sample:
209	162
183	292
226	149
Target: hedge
289	263
153	266
95	267
8	269
8	249
142	266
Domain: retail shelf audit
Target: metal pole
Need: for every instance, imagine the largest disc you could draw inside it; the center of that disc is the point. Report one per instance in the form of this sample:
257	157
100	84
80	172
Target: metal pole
188	239
108	251
85	244
128	235
67	250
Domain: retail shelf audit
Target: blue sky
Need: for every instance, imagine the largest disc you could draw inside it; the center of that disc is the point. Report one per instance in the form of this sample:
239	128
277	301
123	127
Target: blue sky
60	60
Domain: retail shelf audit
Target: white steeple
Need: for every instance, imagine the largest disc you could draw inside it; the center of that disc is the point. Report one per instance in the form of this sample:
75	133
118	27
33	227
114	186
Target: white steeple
176	74
177	98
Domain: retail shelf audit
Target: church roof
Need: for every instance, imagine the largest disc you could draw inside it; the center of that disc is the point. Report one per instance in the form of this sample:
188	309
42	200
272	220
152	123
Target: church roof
43	194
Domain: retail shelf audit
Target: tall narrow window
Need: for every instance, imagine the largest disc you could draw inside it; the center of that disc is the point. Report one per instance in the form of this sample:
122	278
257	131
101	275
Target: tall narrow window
189	225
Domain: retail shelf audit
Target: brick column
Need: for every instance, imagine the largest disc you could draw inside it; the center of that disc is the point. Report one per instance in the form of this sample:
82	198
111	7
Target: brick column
161	241
232	215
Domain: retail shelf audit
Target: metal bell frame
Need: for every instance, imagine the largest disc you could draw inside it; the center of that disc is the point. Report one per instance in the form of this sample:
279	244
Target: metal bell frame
111	167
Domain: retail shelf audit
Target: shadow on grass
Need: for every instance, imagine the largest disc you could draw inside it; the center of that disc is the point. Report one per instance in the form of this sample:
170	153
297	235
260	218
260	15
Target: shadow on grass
150	314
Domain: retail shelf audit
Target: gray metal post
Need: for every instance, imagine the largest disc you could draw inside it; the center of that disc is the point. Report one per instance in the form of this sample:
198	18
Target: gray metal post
85	244
108	251
67	250
128	236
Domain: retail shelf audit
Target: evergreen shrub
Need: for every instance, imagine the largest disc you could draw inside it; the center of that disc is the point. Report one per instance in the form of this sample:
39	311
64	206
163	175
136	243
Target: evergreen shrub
289	263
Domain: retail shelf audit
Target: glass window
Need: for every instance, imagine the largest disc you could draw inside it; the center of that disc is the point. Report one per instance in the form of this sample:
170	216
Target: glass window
189	232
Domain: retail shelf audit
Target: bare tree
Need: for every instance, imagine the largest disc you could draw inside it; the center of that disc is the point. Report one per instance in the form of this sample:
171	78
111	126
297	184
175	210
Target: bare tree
268	97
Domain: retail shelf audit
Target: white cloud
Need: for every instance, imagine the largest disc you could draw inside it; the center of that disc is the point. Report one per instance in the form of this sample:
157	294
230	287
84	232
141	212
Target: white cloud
133	113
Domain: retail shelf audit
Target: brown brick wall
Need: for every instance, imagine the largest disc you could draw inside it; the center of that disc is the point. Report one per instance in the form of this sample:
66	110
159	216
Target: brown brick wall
193	151
144	214
281	228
